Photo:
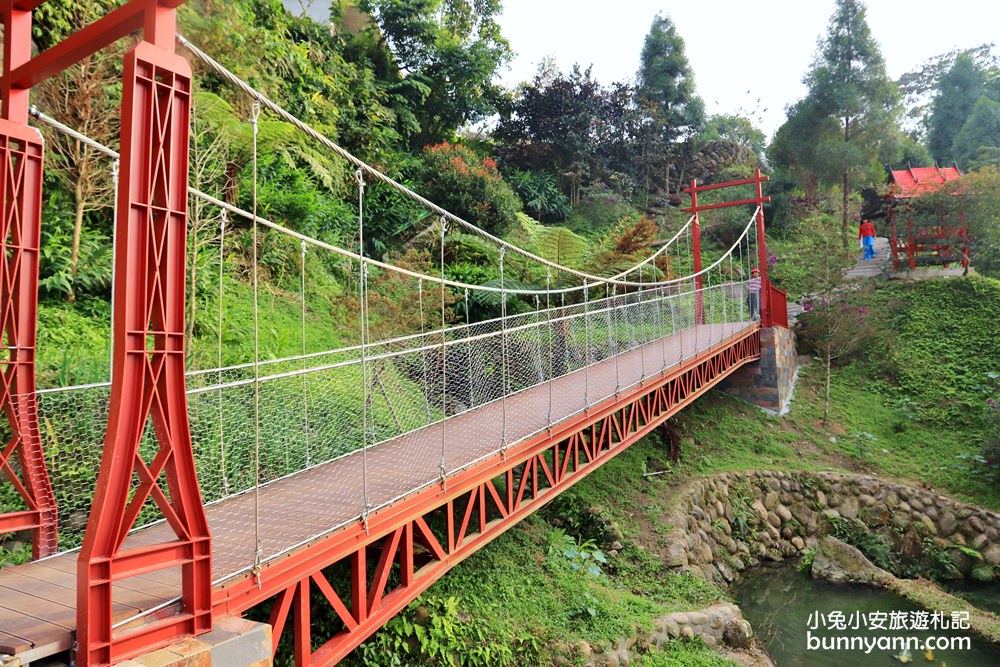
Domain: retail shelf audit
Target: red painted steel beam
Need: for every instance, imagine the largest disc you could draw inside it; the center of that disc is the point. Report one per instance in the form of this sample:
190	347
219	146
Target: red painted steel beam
21	153
699	298
16	52
148	374
767	317
126	19
727	204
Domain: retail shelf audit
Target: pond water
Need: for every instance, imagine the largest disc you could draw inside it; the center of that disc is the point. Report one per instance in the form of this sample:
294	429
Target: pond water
802	622
984	596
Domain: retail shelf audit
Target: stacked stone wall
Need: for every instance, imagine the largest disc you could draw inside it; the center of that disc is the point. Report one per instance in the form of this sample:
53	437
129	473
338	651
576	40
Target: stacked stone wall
769	382
732	521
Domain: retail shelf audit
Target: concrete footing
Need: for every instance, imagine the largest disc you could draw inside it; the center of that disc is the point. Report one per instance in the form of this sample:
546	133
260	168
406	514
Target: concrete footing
234	642
769	382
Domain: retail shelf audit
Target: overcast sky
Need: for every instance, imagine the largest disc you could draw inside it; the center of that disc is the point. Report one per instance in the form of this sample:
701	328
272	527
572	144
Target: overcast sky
740	51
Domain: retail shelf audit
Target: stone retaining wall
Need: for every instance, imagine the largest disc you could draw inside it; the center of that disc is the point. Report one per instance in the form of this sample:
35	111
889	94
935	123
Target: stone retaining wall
768	383
735	520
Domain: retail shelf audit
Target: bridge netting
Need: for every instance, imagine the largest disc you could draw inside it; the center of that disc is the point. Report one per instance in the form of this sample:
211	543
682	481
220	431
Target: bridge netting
418	349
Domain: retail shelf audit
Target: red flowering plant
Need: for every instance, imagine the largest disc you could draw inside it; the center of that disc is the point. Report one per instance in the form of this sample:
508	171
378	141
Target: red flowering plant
460	181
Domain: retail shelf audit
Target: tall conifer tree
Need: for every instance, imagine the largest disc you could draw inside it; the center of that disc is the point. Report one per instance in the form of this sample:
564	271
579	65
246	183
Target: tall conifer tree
848	82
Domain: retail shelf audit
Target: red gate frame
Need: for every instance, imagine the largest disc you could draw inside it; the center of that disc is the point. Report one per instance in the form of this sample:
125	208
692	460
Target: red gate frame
478	505
148	377
773	301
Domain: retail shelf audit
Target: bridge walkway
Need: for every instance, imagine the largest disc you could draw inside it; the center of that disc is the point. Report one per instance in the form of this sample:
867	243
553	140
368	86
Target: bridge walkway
292	511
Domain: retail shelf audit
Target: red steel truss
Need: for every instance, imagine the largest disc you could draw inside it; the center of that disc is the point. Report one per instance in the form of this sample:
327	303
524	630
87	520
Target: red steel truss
22	461
430	532
148	381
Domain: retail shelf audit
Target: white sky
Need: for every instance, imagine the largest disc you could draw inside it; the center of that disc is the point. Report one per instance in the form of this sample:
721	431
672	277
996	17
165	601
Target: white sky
740	50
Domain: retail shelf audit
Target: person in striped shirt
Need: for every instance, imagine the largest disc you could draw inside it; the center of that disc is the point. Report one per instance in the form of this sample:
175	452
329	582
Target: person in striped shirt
753	293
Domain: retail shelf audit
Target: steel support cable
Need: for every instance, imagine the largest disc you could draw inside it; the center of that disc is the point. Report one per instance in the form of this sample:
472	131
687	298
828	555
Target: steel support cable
347	253
468	353
423	357
222	431
742	274
305	382
444	363
586	345
115	169
255	111
612	336
360	164
365	389
538	338
503	354
548	317
641	338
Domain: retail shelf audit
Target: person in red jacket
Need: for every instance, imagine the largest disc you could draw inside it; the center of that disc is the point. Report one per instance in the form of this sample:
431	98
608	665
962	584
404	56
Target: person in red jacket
866	235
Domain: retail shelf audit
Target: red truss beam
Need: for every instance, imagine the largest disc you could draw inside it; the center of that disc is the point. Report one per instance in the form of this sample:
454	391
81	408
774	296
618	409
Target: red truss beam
410	545
20	220
148	379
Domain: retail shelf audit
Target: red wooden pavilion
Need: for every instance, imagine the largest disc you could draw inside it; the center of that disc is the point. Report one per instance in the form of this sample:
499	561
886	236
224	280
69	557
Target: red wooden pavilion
936	244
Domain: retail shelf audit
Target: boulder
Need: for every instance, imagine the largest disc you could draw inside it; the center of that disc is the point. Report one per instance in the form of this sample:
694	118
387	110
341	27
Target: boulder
839	562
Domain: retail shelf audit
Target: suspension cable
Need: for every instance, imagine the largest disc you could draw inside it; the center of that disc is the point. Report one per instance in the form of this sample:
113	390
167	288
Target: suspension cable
503	354
222	441
444	363
685	229
368	169
365	389
256	110
305	385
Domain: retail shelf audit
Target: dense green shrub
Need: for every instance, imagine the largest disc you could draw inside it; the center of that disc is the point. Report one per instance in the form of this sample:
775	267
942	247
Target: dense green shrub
469	186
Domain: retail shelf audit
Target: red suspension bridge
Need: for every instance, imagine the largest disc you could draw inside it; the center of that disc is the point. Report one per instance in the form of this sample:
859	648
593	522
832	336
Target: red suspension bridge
363	472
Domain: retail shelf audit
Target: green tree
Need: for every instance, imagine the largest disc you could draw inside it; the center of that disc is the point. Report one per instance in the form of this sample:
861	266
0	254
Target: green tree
978	142
666	82
957	93
444	55
794	148
848	82
737	129
666	93
919	86
550	121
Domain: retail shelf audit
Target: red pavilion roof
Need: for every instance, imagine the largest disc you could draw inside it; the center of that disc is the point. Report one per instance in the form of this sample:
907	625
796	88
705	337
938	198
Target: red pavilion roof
917	181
